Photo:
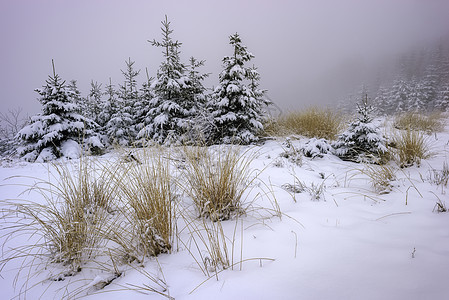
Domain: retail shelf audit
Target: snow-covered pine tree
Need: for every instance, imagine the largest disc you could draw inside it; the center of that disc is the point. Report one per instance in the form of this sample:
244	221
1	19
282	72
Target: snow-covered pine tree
429	87
381	101
120	128
363	140
10	124
171	108
417	96
58	129
94	101
236	105
259	94
77	99
108	107
198	91
442	103
399	96
201	125
142	104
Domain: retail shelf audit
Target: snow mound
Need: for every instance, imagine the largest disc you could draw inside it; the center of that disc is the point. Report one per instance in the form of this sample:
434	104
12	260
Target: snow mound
70	149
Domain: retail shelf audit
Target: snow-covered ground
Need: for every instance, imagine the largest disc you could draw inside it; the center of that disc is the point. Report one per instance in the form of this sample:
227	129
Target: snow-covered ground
350	243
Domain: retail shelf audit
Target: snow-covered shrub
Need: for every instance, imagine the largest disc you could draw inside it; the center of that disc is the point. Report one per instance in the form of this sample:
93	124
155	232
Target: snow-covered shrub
363	141
237	104
11	123
278	162
291	153
59	121
316	148
316	191
296	188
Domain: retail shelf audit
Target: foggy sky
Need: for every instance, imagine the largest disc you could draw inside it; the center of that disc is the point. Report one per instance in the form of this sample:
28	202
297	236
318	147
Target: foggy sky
299	45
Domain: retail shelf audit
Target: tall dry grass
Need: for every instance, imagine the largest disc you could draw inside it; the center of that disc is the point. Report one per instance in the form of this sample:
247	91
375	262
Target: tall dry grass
65	230
216	179
428	123
380	176
313	122
207	243
410	147
144	225
93	214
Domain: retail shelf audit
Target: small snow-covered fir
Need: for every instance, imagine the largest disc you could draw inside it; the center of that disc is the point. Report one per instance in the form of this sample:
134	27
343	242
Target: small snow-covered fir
316	148
120	129
42	139
172	107
362	141
237	107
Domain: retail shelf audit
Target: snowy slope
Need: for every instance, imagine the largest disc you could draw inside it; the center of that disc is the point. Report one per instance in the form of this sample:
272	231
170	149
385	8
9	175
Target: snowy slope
351	243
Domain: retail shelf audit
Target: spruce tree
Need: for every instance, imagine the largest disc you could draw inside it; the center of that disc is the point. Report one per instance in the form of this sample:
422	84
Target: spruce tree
94	102
77	99
142	104
363	140
382	101
59	125
442	102
236	104
108	108
430	86
417	96
200	128
443	98
400	95
121	127
171	112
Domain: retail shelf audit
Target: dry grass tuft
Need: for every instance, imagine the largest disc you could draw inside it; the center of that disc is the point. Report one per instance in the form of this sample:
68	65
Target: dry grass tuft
410	147
440	206
210	250
381	177
313	122
145	222
216	180
93	214
416	121
440	177
65	231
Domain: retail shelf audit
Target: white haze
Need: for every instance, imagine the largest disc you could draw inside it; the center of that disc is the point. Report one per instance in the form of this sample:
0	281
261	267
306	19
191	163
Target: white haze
305	50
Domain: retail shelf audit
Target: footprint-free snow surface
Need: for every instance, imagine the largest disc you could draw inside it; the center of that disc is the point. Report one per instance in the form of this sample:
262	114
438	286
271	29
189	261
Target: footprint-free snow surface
337	237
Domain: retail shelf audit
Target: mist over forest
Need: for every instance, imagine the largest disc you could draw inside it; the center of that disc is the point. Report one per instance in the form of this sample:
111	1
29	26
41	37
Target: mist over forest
307	52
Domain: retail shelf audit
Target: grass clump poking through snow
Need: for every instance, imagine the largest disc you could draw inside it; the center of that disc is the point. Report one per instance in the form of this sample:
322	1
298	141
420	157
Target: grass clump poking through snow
440	177
381	177
67	229
416	121
216	178
209	248
410	147
313	122
146	214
